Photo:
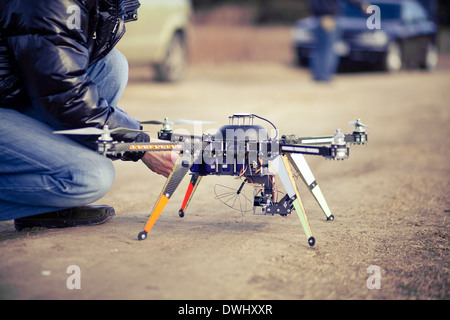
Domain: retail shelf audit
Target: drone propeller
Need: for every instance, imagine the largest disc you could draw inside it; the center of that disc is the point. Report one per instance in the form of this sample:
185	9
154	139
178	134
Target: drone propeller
166	122
96	131
358	123
152	122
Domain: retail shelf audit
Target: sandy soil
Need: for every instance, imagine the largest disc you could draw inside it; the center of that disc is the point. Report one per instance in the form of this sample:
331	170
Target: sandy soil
390	199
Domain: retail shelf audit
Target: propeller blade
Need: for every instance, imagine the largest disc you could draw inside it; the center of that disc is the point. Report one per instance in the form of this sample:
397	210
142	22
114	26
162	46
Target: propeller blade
82	131
96	131
152	122
182	121
124	130
358	123
178	121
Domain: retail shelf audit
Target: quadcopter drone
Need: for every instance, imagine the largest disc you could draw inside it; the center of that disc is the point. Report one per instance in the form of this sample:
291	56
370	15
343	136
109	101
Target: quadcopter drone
244	150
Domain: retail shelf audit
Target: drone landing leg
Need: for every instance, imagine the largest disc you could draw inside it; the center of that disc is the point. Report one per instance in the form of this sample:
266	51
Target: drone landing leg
287	178
174	179
195	180
299	163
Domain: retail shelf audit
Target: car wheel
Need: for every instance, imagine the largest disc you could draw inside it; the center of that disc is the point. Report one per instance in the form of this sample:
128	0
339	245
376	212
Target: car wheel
431	57
173	67
393	60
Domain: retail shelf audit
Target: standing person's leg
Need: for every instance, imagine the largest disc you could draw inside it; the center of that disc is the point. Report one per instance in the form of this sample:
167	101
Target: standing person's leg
324	59
333	56
319	54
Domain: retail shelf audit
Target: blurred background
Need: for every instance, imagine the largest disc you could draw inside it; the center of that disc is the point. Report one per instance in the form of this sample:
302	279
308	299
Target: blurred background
224	31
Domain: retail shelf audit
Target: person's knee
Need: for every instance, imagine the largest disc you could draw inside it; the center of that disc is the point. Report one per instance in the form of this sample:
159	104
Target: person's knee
110	74
83	183
98	179
117	63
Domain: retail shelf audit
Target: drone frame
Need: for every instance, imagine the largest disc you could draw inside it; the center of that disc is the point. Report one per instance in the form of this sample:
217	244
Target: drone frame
289	158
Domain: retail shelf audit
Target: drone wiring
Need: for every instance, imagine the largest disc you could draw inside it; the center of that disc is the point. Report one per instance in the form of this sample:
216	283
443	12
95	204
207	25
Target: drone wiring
264	119
260	165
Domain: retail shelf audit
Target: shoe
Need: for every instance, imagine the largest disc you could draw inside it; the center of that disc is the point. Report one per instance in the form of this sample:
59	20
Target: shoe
73	217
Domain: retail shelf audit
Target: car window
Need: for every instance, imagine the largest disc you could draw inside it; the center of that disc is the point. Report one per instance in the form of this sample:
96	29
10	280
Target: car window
413	12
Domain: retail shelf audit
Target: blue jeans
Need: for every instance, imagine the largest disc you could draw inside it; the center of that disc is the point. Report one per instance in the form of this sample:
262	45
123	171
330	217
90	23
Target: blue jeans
324	60
41	171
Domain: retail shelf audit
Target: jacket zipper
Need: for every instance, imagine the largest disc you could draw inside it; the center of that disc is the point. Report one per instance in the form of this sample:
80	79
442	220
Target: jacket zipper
115	26
112	41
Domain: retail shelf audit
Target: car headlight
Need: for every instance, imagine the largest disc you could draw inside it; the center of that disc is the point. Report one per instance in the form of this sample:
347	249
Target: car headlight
377	38
302	35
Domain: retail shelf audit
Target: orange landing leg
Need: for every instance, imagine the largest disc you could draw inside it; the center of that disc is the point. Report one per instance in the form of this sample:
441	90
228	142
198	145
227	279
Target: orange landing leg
174	179
155	215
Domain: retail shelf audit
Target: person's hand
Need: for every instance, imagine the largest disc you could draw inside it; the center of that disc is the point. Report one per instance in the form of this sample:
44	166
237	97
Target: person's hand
160	162
364	5
328	23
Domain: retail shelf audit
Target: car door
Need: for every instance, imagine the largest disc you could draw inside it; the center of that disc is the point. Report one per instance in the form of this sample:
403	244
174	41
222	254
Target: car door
141	42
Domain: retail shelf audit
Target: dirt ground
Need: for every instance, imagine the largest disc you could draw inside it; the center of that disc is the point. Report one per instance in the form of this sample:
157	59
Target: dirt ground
390	199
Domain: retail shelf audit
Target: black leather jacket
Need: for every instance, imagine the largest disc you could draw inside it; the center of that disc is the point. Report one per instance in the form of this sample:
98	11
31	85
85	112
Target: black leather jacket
43	61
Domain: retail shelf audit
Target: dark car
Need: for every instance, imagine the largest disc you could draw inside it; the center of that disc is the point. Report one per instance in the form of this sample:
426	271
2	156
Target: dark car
406	38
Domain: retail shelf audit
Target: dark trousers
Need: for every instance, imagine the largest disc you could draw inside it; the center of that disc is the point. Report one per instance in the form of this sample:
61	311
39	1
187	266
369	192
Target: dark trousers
324	60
